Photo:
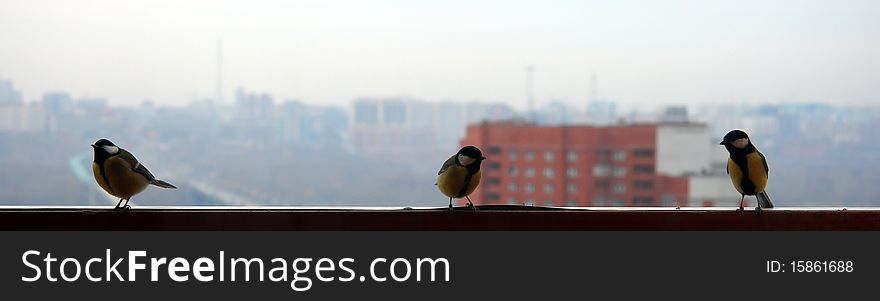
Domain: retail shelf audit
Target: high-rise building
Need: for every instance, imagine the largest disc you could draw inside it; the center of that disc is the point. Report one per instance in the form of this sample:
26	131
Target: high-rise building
254	108
8	94
57	102
601	112
22	117
393	111
675	114
366	112
291	120
626	165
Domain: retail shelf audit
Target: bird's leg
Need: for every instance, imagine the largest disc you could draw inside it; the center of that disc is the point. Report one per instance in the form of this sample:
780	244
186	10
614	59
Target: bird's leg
758	209
470	204
122	208
741	203
450	203
118	205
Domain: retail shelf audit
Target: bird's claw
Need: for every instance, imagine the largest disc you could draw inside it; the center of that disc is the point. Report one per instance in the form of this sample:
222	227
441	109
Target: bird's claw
471	206
759	211
739	209
122	208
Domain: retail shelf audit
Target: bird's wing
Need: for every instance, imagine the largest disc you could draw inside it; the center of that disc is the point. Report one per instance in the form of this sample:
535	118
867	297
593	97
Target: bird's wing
449	162
135	165
764	161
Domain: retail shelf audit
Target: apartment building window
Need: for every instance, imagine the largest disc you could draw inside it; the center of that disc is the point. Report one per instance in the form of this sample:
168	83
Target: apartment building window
493	196
493	181
643	169
530	155
667	200
643	201
572	188
548	172
494	150
643	184
548	188
511	187
643	152
603	154
512	171
548	156
511	201
494	166
530	172
617	203
619	155
511	155
604	185
571	172
618	188
530	187
549	203
572	156
620	172
571	203
601	170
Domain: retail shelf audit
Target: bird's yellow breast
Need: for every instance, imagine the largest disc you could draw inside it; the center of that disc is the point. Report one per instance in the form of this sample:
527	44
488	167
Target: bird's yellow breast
453	179
757	173
123	182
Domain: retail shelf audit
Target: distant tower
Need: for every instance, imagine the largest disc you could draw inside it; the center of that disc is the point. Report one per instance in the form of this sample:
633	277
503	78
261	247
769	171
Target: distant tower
219	96
530	93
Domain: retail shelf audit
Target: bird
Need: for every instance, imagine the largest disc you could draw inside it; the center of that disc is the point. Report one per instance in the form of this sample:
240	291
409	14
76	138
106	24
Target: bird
747	168
120	174
460	174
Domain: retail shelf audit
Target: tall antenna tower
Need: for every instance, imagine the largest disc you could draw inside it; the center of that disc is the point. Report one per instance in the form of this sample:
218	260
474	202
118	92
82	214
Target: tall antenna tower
219	96
530	93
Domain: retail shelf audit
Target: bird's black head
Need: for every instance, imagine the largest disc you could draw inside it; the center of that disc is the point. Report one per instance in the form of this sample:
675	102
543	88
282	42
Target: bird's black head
737	140
470	157
104	142
104	149
471	151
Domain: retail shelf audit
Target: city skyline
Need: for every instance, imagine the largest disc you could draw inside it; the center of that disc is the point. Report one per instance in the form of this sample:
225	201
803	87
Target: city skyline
679	52
379	143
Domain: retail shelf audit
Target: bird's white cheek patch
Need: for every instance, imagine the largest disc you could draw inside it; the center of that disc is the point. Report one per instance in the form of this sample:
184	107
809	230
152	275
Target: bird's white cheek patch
741	143
111	149
465	160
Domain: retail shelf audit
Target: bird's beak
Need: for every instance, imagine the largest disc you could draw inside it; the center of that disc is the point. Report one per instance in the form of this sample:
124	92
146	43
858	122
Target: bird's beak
94	146
482	158
722	143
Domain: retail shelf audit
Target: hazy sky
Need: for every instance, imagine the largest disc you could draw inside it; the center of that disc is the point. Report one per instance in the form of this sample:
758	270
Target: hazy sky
333	51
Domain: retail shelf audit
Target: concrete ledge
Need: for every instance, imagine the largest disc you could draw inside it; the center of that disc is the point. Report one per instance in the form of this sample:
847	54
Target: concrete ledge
66	218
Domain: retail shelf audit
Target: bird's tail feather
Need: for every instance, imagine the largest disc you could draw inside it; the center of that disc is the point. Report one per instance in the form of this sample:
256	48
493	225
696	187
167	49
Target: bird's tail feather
764	200
163	184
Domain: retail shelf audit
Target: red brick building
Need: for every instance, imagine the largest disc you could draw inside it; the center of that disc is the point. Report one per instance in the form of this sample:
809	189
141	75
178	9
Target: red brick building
579	165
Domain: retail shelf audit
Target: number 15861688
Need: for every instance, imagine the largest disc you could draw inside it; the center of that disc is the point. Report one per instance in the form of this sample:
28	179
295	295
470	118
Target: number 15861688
810	266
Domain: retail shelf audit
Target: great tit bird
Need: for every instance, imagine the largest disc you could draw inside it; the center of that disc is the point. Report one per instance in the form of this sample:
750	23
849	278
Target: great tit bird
460	174
747	168
120	174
